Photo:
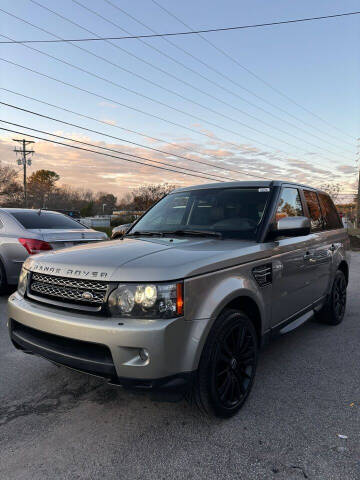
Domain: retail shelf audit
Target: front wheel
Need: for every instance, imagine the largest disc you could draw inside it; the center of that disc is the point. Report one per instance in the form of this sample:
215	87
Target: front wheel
333	311
227	366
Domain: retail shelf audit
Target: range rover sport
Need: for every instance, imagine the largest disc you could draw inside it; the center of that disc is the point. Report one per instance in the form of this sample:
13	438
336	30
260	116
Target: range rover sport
186	298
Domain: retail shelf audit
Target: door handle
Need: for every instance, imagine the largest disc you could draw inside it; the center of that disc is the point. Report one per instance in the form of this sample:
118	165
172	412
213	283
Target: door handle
309	257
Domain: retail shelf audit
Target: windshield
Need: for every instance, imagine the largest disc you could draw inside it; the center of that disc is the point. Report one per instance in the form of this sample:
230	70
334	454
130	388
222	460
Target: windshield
232	212
46	220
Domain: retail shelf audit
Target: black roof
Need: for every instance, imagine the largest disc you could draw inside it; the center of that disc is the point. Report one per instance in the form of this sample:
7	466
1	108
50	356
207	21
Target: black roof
258	183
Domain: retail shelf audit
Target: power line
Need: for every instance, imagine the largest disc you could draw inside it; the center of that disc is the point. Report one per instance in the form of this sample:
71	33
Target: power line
234	60
137	144
106	154
181	80
129	107
218	72
182	147
126	106
173	34
125	153
167	105
217	177
193	102
198	174
99	96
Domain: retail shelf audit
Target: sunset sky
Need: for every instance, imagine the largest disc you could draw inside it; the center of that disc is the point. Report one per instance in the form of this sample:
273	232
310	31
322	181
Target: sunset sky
282	102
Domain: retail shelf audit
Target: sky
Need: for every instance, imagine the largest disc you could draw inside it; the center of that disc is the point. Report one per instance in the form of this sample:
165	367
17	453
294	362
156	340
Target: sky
278	102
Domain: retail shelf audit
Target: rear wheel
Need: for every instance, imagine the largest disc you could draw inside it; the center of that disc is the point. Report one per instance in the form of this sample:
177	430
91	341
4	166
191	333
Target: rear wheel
333	311
228	364
3	281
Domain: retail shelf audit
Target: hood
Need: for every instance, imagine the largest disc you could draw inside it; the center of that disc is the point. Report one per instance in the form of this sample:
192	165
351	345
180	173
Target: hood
155	259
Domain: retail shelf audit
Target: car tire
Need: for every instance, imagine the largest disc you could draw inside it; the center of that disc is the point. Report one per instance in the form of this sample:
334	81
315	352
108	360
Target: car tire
333	312
3	281
227	366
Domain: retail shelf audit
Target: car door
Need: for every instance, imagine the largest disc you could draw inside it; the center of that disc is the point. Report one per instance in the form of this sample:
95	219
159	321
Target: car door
318	256
333	233
290	278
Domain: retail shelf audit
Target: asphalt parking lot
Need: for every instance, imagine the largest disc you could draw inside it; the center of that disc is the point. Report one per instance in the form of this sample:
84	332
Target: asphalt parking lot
56	423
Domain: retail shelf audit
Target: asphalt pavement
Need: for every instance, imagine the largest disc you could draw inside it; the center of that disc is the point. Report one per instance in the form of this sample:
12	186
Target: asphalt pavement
59	424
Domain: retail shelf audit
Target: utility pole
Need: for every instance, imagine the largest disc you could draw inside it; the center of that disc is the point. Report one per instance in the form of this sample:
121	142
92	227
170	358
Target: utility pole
357	211
24	161
358	204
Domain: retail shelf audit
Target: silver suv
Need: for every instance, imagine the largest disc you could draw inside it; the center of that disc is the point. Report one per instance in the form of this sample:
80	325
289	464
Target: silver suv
192	291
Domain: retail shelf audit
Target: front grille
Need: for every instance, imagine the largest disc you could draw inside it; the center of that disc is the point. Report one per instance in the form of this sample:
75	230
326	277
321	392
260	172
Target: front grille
68	290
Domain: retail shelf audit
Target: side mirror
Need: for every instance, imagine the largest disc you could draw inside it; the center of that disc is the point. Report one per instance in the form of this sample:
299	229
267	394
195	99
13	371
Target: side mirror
291	227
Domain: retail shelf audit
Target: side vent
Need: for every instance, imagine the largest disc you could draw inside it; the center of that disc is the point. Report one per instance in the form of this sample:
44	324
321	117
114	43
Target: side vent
263	274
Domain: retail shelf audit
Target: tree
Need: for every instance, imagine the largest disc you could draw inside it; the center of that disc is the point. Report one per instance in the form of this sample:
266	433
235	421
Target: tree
11	192
69	198
146	195
333	189
88	210
40	185
106	202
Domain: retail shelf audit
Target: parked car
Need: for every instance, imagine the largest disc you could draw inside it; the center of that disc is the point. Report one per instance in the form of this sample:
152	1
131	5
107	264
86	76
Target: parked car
203	280
25	232
120	230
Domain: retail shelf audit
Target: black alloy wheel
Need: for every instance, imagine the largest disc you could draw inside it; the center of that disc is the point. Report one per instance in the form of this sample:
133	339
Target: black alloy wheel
333	312
339	296
234	365
228	365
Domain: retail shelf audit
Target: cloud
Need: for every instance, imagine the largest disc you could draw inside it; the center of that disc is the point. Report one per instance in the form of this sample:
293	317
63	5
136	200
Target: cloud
347	169
79	168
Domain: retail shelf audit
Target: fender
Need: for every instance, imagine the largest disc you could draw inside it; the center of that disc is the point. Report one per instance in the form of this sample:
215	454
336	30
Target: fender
214	294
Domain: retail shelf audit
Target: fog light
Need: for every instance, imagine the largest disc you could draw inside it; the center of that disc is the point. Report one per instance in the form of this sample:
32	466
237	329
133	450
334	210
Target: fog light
144	355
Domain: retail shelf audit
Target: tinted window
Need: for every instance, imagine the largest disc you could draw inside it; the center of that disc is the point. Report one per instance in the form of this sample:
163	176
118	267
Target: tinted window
314	210
234	212
330	214
289	204
34	219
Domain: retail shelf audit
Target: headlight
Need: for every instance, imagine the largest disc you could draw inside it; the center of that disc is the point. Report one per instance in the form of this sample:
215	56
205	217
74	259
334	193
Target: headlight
23	281
147	300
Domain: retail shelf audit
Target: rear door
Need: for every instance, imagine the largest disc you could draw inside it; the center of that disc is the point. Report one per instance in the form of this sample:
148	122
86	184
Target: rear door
333	235
318	255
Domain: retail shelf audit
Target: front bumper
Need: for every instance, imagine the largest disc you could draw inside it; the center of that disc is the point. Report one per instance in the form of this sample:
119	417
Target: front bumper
109	347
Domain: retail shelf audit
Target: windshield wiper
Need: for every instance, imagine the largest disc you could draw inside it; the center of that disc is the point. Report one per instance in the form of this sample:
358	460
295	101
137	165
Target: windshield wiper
198	233
148	234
